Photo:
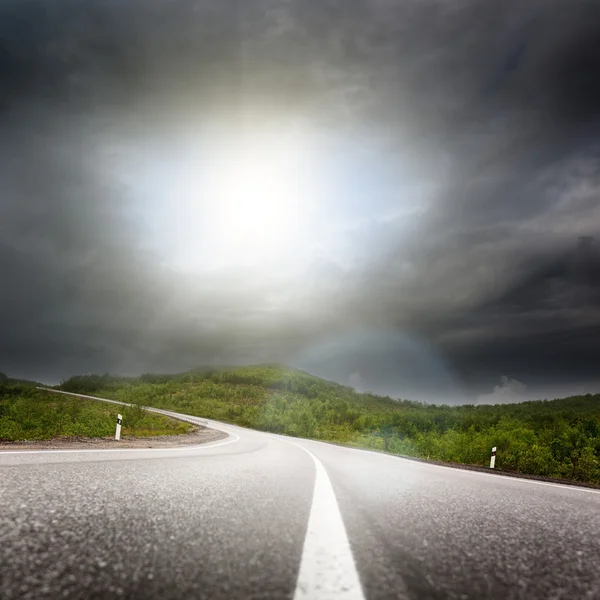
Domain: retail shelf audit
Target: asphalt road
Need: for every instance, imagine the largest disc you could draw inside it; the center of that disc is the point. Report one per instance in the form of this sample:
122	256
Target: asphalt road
260	516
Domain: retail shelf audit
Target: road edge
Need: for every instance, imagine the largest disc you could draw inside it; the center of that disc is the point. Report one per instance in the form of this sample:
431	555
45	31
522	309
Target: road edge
184	440
451	465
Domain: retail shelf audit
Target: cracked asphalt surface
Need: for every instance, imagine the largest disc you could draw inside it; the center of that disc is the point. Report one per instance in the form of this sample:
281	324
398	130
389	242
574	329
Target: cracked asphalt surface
228	520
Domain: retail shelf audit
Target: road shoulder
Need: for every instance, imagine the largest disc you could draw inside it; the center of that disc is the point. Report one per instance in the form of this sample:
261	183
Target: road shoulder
200	435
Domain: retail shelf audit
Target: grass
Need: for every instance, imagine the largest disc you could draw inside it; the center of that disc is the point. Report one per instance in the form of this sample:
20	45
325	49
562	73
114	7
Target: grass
30	414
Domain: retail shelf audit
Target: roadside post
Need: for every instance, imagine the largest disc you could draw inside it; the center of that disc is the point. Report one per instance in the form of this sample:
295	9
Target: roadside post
492	460
118	432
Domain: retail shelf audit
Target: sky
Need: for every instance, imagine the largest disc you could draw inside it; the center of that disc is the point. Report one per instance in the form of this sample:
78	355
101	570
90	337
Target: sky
399	195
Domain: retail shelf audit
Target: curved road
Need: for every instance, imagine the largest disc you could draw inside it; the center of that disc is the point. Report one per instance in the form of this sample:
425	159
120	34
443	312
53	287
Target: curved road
256	515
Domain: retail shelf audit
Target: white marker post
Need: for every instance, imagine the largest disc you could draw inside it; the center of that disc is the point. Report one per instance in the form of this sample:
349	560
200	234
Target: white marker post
493	459
118	432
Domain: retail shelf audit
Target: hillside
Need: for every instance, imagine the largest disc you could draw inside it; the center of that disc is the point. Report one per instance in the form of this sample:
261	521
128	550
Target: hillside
5	380
555	438
27	413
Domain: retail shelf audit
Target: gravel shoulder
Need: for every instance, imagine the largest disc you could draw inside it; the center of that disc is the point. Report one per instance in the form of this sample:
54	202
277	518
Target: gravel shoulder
465	467
200	435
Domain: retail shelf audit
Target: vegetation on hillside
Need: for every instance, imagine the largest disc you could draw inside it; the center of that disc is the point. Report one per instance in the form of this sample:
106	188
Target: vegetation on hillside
557	438
30	414
5	379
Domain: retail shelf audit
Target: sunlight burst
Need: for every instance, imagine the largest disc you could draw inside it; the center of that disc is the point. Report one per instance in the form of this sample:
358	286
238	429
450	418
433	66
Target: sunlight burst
256	202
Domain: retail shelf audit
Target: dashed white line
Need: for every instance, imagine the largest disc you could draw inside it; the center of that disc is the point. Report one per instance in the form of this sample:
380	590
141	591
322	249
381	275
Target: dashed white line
327	568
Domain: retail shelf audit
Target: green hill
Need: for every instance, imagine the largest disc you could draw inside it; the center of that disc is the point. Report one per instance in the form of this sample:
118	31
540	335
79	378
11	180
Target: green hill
556	438
27	413
5	379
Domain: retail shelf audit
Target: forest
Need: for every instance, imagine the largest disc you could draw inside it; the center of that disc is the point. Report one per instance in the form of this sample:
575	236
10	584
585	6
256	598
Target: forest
555	438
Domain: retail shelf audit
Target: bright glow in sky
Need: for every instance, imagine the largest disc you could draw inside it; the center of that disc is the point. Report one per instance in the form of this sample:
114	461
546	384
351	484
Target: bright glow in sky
269	199
256	200
240	200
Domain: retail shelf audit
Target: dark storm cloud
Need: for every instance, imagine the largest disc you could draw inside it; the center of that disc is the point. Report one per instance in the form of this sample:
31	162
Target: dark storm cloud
495	106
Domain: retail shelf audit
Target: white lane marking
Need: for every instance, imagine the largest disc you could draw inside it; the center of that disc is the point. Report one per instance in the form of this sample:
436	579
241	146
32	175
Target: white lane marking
53	391
102	450
327	569
562	486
